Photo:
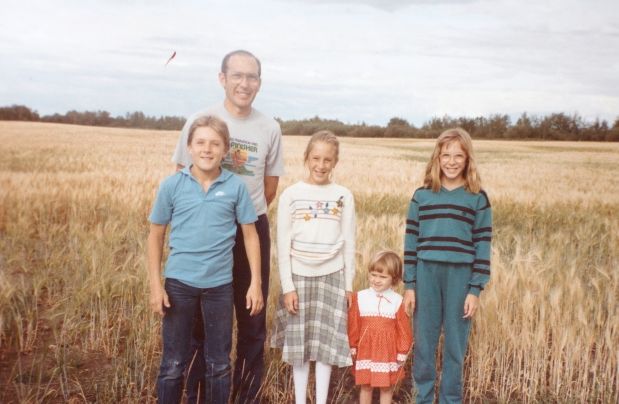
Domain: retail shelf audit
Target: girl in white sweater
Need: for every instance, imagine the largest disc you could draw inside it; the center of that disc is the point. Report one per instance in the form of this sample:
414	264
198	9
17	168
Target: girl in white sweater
316	253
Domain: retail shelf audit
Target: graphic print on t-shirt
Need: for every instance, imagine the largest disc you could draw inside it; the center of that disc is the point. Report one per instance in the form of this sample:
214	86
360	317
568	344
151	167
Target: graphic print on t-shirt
241	158
308	210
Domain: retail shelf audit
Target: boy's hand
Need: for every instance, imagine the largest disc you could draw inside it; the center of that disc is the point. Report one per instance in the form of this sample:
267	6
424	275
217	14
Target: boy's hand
291	302
409	302
159	300
253	300
470	305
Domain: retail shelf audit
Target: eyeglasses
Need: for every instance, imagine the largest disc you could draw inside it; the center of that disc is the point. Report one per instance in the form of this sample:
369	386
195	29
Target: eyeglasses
237	77
458	158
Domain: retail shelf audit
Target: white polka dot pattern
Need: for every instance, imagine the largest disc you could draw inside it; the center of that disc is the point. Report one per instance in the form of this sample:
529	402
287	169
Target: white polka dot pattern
379	367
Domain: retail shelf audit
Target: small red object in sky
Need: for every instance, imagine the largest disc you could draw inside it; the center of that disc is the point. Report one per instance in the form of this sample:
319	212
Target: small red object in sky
171	57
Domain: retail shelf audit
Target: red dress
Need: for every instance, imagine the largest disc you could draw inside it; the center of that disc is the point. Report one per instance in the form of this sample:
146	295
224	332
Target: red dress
380	336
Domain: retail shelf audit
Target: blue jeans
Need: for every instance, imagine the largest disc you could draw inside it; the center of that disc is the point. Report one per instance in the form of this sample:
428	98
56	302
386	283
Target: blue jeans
215	304
251	331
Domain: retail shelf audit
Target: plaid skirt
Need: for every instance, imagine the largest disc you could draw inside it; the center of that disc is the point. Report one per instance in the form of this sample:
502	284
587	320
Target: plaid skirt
318	332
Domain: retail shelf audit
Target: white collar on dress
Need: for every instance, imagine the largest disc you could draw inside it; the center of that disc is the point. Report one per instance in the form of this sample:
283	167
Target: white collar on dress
385	304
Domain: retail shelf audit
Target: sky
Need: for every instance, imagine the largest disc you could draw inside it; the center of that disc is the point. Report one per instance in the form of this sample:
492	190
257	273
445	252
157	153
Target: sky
351	60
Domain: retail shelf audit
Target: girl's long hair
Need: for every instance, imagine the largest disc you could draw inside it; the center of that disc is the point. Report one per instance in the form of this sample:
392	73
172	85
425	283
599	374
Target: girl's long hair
432	179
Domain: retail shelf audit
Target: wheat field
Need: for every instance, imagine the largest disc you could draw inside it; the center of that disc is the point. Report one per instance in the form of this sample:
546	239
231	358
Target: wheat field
74	319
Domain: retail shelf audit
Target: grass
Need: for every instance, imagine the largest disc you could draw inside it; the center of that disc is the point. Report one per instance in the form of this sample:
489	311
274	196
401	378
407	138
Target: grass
74	319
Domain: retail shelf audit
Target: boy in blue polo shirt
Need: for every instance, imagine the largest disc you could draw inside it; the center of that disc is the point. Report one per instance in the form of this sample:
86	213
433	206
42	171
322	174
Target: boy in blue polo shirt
202	203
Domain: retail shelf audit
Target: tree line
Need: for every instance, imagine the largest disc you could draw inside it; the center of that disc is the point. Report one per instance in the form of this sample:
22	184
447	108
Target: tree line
556	126
94	118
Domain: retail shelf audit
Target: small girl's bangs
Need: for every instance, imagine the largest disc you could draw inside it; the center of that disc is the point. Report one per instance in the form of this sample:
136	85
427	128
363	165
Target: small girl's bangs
381	267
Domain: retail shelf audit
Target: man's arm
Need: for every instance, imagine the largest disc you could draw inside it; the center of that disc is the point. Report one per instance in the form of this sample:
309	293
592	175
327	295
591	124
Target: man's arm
254	300
270	188
158	296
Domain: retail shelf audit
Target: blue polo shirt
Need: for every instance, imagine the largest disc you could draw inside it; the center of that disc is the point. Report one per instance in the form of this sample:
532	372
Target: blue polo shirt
203	226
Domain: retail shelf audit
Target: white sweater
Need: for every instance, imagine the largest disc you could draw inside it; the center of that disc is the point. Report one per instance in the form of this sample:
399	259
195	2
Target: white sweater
315	232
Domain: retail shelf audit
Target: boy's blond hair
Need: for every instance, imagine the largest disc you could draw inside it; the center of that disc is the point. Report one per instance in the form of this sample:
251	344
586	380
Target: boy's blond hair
216	124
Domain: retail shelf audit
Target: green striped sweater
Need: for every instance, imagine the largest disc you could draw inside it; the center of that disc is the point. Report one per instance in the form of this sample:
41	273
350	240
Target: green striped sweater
449	226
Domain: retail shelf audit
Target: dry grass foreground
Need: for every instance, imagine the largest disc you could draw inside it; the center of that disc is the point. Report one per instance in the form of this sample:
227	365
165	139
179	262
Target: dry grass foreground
74	319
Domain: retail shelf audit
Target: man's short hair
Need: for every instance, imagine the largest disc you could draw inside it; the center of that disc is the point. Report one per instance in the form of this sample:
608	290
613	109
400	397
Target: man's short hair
224	62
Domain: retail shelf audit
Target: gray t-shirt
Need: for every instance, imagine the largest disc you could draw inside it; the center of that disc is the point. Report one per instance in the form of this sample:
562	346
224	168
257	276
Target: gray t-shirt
255	149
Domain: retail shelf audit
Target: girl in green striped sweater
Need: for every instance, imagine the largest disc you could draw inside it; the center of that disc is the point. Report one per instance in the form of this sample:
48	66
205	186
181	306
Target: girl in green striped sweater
446	262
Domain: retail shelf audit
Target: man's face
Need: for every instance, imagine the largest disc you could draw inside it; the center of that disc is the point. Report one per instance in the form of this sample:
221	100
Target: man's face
241	83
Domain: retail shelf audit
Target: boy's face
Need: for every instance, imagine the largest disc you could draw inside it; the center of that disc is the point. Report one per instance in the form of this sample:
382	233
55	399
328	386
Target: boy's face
207	149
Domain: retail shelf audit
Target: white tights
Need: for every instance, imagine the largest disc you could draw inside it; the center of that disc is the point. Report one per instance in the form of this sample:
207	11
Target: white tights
300	375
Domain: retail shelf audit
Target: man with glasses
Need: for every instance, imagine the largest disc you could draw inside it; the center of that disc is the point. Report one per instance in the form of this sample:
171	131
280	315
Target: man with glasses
256	156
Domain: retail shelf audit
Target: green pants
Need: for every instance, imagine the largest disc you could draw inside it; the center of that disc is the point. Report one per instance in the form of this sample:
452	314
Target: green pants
440	293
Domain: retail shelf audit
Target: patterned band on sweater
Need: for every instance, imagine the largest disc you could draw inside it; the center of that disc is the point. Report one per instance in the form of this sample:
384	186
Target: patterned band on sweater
449	226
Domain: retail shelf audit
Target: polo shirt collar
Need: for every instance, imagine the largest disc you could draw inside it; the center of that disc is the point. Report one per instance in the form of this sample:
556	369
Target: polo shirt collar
223	176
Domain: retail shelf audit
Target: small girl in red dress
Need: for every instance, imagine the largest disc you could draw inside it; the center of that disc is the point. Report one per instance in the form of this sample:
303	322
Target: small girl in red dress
379	330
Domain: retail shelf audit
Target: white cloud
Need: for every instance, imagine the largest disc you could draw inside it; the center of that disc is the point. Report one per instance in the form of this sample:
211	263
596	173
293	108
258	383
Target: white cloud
354	61
388	5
